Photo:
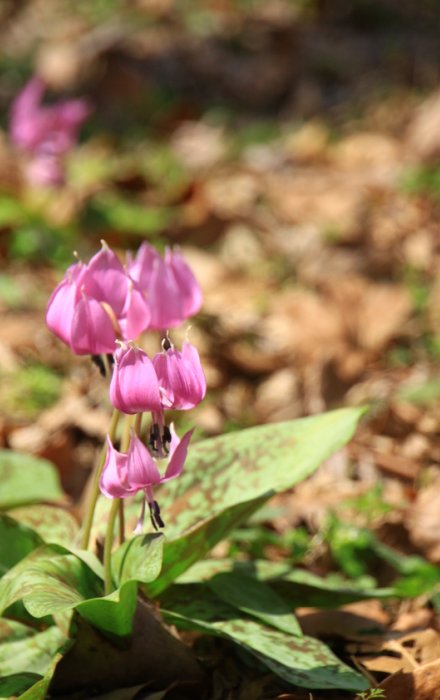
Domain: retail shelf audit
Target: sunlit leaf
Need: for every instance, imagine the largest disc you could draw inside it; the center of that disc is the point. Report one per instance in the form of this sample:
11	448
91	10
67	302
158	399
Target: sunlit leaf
26	479
53	524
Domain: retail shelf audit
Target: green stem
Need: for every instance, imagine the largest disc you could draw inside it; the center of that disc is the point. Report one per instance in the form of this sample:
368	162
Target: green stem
116	507
108	583
93	498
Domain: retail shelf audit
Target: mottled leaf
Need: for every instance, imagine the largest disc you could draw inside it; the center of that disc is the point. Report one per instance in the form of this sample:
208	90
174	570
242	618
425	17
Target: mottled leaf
39	690
29	651
224	471
179	554
302	661
257	599
299	587
54	524
138	559
26	479
16	542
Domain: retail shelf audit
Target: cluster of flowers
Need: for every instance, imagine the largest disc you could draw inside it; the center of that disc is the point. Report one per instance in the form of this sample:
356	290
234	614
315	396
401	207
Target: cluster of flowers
45	133
102	305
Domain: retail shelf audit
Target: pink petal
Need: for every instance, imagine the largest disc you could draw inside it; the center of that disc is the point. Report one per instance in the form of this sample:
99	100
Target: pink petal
113	481
164	297
45	169
106	280
92	329
134	387
178	452
179	380
61	306
141	467
141	267
191	355
188	286
136	314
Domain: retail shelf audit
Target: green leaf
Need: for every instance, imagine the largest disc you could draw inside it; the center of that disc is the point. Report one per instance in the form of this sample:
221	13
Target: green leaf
39	690
224	471
26	479
54	580
114	612
16	542
257	599
49	580
300	587
53	524
128	215
302	661
25	650
138	559
180	554
11	686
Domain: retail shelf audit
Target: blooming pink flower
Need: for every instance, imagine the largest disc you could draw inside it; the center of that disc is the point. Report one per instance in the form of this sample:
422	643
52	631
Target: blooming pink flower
134	387
180	376
45	133
95	304
124	474
169	284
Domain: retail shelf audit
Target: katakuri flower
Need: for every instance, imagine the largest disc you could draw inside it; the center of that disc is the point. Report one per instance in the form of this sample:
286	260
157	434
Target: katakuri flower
171	288
180	375
134	387
45	132
125	474
95	304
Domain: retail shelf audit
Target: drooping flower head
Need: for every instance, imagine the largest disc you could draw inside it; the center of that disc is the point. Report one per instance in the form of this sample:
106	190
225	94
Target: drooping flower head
45	132
171	288
97	303
125	474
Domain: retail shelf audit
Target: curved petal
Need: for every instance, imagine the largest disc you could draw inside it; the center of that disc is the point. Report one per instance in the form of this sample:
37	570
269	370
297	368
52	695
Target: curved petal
106	280
136	314
113	481
188	286
164	297
92	329
179	379
178	452
141	467
141	267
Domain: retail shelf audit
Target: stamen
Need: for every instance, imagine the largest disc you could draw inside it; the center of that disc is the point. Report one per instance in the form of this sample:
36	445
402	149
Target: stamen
154	440
155	518
166	438
100	364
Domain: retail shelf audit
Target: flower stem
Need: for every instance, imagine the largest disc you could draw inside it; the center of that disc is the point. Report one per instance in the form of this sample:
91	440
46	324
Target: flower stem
93	498
116	507
108	583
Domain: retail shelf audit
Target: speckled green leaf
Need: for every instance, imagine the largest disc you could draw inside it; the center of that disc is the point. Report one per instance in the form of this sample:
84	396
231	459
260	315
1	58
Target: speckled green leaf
224	471
257	599
180	554
26	479
39	690
16	542
54	524
299	587
25	650
49	580
302	661
138	559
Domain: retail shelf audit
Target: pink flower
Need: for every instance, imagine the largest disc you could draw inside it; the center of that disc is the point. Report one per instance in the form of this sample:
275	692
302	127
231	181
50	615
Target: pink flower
134	387
169	284
95	304
124	474
180	376
45	133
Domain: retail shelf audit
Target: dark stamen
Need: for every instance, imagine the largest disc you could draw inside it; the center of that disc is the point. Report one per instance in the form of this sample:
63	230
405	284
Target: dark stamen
154	437
166	343
111	359
155	518
166	438
99	362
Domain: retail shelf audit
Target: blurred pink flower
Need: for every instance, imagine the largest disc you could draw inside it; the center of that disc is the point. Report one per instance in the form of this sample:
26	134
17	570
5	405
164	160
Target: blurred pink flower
171	288
45	132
